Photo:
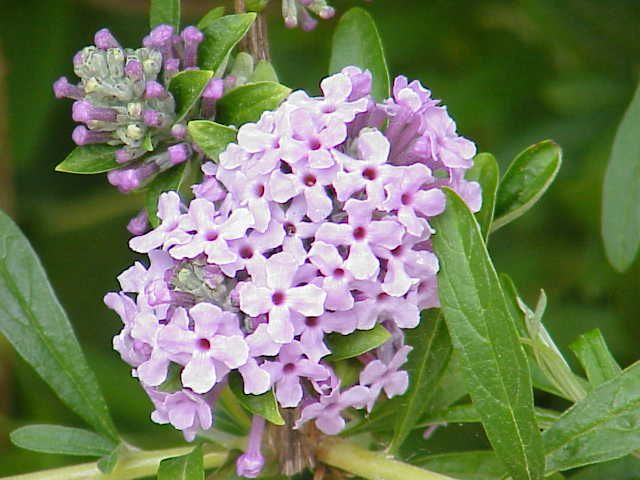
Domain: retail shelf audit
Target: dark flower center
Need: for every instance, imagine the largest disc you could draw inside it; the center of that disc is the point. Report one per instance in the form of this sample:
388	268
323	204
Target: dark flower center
311	321
289	368
204	344
277	298
406	198
370	173
309	180
246	252
338	272
289	228
211	236
259	191
359	233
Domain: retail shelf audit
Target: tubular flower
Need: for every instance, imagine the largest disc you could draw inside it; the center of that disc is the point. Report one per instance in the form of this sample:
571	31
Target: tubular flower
315	223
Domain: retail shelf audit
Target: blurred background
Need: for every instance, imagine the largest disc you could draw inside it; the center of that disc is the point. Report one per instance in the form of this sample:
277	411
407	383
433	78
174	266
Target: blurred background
511	72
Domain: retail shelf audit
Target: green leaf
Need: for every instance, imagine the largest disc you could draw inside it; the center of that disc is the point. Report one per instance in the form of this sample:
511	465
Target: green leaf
34	322
473	465
61	440
187	87
163	182
264	405
165	11
621	192
230	416
213	14
246	103
603	426
595	357
525	181
264	72
90	159
469	414
211	137
356	42
426	363
356	343
220	36
185	467
494	365
173	382
486	172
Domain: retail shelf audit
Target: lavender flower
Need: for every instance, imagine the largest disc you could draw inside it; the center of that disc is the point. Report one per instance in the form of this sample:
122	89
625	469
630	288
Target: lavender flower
317	221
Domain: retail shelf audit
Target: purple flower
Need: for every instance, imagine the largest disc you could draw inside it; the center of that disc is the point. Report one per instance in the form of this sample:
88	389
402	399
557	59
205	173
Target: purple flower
360	234
213	231
167	234
379	376
273	292
184	410
327	411
251	462
215	345
287	372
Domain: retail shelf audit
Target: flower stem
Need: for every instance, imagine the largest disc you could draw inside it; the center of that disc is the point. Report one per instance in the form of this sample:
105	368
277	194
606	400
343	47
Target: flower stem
256	41
136	465
346	456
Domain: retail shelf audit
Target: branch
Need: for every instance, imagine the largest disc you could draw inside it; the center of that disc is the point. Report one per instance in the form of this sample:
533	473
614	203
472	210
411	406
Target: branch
136	465
346	456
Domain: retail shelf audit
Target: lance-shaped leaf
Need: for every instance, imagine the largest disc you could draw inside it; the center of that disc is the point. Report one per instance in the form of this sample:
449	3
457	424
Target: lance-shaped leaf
486	172
482	330
426	363
356	42
220	36
34	322
185	467
602	426
164	182
165	11
595	357
211	137
525	181
90	159
264	405
247	102
61	440
108	462
621	192
356	343
187	87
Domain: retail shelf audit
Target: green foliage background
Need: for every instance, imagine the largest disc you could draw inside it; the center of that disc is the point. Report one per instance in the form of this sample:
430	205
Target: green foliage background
511	73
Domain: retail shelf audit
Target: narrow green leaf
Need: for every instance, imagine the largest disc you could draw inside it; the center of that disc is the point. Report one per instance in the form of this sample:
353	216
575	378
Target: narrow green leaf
220	36
34	322
525	181
426	363
494	365
473	465
211	137
626	468
213	14
356	343
621	192
61	440
595	357
469	414
603	426
356	42
164	182
486	172
187	87
230	416
185	467
90	159
538	376
165	11
246	103
264	72
264	405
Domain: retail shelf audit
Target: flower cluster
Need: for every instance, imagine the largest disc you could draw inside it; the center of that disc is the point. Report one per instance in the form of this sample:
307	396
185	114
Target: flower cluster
122	99
315	223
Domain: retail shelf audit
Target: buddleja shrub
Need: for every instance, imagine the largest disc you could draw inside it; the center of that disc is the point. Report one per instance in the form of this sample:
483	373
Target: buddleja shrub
312	269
